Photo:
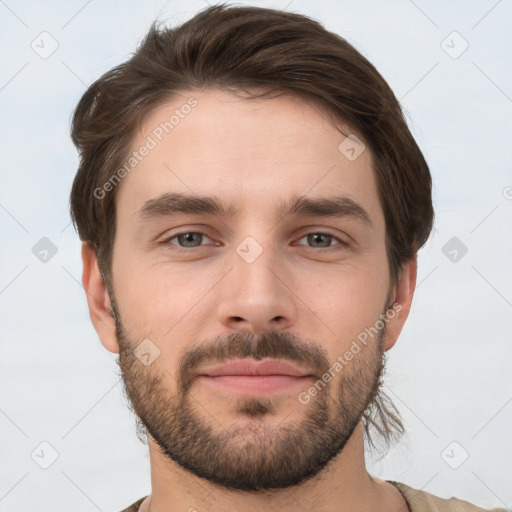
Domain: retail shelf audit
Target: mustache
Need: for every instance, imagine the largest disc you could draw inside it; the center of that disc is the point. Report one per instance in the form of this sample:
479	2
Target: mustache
244	344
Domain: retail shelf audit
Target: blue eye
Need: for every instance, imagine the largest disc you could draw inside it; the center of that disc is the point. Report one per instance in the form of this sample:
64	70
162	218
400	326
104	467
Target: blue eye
192	239
188	239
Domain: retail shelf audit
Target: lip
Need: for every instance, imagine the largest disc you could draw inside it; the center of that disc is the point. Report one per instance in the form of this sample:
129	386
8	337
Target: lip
253	384
251	367
250	377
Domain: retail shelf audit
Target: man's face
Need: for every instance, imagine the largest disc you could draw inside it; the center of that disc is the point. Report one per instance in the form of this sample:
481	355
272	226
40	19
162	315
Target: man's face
256	283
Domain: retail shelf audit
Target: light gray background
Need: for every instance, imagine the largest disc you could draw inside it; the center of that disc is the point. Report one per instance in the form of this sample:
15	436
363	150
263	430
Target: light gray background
450	371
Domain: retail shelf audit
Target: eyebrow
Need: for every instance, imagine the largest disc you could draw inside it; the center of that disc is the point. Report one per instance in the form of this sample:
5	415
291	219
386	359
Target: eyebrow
170	204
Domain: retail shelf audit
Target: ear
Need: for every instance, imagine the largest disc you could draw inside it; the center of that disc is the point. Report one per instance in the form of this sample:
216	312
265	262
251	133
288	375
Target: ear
98	299
401	303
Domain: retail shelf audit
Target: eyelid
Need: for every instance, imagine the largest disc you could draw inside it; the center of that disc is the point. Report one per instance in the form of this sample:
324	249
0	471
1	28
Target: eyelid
171	236
310	231
320	232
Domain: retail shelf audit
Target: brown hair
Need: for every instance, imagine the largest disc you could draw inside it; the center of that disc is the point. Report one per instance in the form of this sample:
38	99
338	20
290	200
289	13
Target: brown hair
243	49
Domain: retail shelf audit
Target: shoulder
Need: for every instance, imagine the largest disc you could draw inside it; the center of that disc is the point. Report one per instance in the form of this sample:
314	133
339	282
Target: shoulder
134	507
421	501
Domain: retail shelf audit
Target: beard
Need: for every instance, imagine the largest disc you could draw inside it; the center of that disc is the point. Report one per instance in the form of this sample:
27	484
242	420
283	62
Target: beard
250	455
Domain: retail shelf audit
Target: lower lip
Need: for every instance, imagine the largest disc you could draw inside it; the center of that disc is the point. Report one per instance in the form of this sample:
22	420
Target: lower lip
254	384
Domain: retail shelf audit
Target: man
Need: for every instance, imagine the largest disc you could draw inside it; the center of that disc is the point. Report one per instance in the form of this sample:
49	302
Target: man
212	164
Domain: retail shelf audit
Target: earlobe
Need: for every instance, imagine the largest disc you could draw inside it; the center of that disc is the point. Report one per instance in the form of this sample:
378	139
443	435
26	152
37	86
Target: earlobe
98	300
401	305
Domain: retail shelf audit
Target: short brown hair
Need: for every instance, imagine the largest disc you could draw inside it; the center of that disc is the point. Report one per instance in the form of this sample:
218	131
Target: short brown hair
242	49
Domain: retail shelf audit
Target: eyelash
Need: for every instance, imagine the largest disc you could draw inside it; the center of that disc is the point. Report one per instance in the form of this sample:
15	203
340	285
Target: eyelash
342	243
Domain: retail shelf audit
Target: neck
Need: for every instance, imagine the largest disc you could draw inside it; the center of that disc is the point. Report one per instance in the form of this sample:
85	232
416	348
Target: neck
344	484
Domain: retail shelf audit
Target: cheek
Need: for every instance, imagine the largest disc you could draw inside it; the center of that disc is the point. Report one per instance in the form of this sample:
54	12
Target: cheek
162	301
348	302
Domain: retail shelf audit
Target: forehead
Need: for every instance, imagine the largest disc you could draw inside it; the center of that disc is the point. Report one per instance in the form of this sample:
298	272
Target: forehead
249	152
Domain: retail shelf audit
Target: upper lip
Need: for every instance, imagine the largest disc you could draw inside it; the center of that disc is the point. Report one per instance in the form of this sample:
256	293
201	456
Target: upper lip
253	367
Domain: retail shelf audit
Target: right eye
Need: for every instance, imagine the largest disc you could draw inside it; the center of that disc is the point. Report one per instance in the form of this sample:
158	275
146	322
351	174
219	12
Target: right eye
187	239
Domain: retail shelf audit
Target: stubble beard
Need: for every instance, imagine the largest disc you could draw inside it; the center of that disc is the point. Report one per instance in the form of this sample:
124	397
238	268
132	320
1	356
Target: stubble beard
252	455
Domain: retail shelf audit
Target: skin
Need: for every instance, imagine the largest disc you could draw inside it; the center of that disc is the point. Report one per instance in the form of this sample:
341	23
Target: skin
254	154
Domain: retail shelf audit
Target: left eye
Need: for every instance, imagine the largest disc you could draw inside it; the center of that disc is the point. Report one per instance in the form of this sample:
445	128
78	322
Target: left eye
323	239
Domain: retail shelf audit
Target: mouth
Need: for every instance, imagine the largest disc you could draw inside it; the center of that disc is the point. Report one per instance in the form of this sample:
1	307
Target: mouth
248	376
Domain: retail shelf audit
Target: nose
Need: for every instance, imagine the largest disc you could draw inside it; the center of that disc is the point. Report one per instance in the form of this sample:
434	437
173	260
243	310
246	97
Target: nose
257	296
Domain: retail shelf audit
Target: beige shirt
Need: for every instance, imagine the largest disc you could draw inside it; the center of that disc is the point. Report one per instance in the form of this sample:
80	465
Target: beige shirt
421	501
418	501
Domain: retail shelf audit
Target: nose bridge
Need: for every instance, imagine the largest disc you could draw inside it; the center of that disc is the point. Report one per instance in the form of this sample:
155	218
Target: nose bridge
256	266
254	293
